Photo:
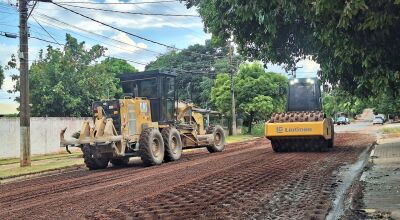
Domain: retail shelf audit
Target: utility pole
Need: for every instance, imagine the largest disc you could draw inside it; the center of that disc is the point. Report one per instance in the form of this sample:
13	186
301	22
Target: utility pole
25	143
233	110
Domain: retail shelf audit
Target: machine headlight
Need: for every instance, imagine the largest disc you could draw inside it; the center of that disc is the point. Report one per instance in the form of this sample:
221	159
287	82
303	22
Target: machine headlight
293	81
311	81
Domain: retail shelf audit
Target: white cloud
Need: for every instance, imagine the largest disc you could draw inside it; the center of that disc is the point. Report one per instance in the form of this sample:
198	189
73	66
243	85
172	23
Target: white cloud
126	45
196	39
124	21
6	51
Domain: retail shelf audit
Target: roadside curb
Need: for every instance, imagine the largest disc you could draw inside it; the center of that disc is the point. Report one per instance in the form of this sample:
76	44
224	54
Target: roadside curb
346	198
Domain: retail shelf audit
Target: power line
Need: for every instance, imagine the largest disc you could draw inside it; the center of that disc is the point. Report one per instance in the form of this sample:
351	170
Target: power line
191	18
128	60
45	30
133	61
52	42
132	13
126	32
90	32
112	27
121	3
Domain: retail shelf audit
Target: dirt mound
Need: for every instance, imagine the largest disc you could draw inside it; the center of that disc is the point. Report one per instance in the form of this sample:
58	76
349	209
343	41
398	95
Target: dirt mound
366	115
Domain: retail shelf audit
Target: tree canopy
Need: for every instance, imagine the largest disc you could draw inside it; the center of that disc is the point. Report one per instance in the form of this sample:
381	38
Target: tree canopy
257	92
356	41
338	101
196	67
65	82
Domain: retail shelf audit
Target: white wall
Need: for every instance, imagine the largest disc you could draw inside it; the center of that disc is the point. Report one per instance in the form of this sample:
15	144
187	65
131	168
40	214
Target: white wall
45	134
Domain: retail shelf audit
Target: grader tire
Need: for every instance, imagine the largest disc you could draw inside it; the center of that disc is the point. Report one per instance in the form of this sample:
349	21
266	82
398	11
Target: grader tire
218	144
151	147
91	161
172	144
120	162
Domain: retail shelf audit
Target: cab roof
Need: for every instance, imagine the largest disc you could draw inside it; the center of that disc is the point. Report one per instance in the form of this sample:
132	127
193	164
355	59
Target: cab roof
145	74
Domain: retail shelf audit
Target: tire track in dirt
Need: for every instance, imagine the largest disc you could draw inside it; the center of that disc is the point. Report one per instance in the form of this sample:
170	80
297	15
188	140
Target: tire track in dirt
92	184
62	182
248	180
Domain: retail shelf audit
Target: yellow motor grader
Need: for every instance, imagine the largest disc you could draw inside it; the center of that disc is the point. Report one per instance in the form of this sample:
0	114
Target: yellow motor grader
148	122
303	127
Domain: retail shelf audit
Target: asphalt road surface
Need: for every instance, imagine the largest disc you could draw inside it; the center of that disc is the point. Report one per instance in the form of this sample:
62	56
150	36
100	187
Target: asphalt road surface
247	180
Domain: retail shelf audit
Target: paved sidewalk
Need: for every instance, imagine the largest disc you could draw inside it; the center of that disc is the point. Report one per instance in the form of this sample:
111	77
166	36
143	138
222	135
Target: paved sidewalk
381	192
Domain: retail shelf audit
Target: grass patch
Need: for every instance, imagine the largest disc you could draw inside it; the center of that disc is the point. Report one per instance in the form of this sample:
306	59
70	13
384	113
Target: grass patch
238	138
257	130
40	167
76	154
395	130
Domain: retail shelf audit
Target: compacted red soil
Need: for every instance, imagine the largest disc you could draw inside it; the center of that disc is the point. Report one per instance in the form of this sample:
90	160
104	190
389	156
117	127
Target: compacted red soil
247	180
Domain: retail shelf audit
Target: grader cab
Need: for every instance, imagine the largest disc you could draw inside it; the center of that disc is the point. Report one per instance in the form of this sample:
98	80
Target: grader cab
148	122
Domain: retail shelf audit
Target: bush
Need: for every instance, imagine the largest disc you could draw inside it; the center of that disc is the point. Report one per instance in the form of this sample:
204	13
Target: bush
257	130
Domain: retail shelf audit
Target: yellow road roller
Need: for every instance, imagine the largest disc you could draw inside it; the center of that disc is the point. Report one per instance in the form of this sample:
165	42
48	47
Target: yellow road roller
304	126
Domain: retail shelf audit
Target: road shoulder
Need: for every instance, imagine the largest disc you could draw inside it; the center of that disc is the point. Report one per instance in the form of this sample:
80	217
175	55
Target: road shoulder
378	193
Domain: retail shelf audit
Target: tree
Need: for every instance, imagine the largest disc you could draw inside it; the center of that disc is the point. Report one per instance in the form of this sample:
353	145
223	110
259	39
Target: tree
259	108
356	42
257	93
1	76
385	104
118	66
66	82
196	67
341	101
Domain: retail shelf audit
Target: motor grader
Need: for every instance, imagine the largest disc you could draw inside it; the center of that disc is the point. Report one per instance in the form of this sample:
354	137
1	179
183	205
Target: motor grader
303	127
148	123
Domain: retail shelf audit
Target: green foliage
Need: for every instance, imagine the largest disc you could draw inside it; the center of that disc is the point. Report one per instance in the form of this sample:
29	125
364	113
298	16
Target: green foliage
1	76
66	82
256	91
118	66
386	104
341	101
356	42
258	130
196	67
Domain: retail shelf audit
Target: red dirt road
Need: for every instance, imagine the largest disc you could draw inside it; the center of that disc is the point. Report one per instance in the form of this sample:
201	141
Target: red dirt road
247	180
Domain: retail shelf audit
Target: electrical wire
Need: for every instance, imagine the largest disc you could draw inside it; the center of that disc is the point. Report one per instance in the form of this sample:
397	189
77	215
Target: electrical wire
90	32
115	28
45	30
52	42
120	3
126	32
191	18
128	60
132	13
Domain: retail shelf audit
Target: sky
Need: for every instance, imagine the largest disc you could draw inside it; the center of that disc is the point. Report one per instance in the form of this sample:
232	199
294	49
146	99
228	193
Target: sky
179	32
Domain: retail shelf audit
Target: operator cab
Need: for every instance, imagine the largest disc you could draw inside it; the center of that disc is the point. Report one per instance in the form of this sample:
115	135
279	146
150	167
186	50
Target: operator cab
304	95
155	85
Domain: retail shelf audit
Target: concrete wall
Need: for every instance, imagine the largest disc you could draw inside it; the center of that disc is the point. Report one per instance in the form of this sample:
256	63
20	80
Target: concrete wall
45	133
